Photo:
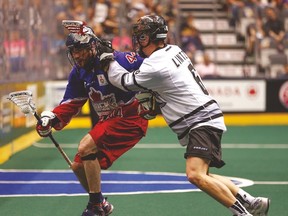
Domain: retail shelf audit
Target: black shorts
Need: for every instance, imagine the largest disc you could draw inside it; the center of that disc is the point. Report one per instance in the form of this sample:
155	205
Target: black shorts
205	142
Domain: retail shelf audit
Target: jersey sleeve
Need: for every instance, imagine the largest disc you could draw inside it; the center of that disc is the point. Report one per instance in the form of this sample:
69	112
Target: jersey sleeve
73	100
142	79
129	60
75	87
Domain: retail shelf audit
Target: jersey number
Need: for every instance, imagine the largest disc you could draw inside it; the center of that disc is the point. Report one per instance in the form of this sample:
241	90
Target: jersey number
131	57
197	79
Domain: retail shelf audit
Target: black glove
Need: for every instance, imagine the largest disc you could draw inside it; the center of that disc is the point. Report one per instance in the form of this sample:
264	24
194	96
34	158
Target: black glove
105	54
107	44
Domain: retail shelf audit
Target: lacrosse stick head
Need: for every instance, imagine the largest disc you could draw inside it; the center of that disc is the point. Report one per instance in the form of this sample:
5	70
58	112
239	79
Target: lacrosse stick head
23	100
80	28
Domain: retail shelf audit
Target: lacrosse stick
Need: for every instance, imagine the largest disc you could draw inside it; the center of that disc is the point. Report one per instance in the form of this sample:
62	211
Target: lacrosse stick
23	100
80	28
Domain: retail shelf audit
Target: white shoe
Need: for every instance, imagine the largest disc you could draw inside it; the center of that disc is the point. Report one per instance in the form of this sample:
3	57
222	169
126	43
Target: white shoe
259	206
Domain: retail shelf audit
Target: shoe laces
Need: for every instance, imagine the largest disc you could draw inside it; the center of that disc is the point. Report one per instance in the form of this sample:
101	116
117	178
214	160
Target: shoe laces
105	203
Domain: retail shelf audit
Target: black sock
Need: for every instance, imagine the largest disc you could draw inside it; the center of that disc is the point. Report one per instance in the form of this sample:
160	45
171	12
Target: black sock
96	197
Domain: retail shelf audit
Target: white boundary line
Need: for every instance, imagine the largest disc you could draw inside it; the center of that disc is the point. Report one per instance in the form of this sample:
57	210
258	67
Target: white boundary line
178	146
271	182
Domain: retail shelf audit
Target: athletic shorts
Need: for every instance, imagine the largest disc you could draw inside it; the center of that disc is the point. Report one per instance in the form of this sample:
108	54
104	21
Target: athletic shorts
205	142
114	136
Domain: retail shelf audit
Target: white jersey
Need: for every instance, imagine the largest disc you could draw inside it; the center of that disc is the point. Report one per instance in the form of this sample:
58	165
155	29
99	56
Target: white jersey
184	101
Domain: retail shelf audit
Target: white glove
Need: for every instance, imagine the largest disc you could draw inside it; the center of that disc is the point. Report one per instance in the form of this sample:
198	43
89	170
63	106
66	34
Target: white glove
147	105
44	127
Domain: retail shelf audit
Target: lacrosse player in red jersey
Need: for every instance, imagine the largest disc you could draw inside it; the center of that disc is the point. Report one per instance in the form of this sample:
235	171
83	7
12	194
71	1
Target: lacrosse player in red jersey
119	127
188	109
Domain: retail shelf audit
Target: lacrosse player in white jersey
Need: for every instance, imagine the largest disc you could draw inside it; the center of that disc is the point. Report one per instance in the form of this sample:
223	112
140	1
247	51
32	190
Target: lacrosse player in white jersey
168	74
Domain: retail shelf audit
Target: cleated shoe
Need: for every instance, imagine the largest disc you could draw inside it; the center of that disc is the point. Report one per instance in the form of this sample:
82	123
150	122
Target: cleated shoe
259	206
107	207
93	210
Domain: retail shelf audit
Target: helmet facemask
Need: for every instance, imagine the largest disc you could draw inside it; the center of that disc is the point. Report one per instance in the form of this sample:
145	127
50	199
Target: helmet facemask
81	51
138	37
152	26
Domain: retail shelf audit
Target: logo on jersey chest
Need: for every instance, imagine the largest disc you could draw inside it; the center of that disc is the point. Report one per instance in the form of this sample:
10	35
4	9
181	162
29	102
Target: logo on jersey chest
102	80
102	103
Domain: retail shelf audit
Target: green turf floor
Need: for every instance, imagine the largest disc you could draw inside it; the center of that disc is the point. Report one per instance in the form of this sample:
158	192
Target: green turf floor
257	164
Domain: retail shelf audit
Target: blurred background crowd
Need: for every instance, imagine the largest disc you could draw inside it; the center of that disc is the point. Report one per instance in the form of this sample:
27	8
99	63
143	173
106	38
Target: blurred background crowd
223	38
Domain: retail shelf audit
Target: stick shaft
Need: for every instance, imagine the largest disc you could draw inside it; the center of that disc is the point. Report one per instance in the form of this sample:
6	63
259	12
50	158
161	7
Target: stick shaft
56	144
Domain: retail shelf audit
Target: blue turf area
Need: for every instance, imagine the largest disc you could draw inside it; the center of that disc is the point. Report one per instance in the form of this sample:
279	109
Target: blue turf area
52	183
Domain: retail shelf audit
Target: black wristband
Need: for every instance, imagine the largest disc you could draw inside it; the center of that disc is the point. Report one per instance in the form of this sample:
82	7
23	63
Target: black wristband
55	121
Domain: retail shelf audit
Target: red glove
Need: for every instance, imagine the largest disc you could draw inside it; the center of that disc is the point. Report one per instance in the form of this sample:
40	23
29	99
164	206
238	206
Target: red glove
44	127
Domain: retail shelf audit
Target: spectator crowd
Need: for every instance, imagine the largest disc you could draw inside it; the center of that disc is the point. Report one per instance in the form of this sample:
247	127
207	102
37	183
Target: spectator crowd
34	40
263	25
